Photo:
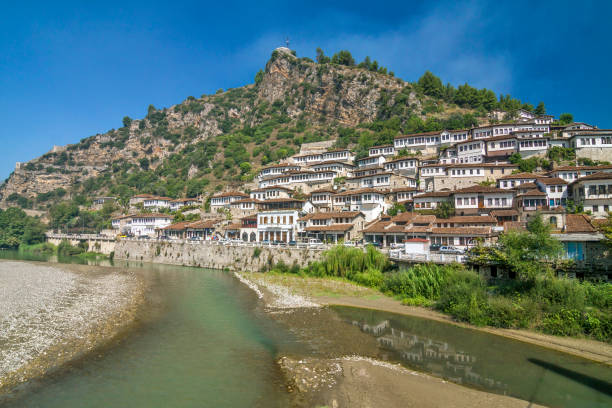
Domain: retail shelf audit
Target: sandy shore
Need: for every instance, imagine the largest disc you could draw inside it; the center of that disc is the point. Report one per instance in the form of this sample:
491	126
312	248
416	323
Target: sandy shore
358	382
51	314
342	293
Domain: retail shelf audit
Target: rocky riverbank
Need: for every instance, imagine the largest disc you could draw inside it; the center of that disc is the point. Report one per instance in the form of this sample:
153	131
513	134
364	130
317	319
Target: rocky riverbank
52	314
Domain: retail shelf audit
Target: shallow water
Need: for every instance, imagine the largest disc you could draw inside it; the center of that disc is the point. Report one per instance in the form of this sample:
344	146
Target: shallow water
202	342
488	362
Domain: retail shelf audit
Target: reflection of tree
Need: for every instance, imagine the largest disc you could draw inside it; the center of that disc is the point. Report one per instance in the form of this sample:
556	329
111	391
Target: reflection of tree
438	357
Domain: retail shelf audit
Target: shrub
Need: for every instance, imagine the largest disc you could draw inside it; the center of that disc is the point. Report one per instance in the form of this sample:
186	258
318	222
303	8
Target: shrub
256	252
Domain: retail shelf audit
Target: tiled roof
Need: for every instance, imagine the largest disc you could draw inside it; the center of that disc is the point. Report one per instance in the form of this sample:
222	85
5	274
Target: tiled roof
334	214
433	133
468	219
577	168
378	226
596	176
333	227
431	194
361	191
520	176
533	193
480	189
504	213
551	180
578	223
467	231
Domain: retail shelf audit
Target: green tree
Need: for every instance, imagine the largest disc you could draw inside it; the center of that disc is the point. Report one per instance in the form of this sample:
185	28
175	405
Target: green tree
259	77
343	57
127	121
527	252
431	85
396	209
445	209
566	118
321	57
540	109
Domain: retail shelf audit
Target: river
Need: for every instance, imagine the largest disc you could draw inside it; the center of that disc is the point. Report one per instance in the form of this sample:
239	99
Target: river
204	339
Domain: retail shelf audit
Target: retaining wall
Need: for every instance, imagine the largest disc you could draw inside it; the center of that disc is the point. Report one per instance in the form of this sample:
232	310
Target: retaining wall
209	255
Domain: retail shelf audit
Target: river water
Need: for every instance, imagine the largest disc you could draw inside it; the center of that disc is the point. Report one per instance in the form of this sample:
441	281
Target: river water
205	339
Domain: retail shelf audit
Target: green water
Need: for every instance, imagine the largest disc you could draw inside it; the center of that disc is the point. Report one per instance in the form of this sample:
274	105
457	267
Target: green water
202	343
484	361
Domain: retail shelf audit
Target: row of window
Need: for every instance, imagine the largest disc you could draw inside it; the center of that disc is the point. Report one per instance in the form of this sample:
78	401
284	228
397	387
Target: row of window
472	146
533	143
265	220
503	202
600	189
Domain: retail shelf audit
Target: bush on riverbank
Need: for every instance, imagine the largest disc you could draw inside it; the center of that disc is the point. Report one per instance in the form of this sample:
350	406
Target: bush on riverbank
558	306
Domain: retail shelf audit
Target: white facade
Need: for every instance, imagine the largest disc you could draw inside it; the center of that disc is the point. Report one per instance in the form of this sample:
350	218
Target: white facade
371	203
386	150
470	152
277	225
155	203
146	224
276	170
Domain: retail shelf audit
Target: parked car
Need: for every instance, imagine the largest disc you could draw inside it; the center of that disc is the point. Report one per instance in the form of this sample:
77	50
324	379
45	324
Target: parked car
450	250
374	244
292	243
435	247
163	237
349	244
314	242
396	245
195	238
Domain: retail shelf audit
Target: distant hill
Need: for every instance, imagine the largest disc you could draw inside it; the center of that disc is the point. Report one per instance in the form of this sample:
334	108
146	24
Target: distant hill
220	141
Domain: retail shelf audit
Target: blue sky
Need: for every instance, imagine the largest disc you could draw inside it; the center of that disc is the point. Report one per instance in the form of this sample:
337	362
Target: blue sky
69	70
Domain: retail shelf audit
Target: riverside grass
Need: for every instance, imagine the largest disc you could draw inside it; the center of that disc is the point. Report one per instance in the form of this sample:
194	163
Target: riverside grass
558	306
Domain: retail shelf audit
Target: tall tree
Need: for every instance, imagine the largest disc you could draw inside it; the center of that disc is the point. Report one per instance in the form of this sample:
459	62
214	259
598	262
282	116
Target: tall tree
566	118
343	57
431	85
540	109
321	57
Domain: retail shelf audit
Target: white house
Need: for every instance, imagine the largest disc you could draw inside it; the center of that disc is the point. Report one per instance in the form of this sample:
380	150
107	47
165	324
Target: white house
277	225
276	170
428	141
431	200
533	146
223	200
369	201
555	189
482	198
514	180
156	203
471	151
147	224
371	161
267	193
594	192
384	150
407	165
571	173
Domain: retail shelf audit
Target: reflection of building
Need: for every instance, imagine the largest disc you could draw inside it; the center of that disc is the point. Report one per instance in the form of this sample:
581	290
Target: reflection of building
438	357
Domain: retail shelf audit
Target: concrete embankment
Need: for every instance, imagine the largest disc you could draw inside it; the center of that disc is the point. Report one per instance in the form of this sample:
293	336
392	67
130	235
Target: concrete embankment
211	255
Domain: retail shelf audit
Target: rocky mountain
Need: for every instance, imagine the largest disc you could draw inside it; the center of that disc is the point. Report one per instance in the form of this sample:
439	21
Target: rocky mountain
218	141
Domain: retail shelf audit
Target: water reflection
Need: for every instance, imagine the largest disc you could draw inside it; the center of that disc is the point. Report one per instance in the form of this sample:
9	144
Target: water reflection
437	357
485	361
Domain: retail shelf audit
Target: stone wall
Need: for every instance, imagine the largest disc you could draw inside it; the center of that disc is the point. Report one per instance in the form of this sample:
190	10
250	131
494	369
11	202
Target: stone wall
595	153
207	255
